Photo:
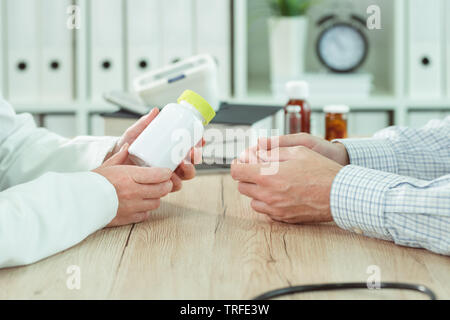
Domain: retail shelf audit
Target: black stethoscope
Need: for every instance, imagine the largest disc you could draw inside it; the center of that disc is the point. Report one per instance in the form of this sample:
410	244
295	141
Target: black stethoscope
344	286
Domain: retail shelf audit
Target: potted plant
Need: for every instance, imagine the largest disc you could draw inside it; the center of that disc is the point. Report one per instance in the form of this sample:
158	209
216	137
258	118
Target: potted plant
288	33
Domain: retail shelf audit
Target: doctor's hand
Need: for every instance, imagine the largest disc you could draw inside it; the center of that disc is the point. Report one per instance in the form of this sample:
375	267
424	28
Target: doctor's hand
298	188
185	171
138	189
333	151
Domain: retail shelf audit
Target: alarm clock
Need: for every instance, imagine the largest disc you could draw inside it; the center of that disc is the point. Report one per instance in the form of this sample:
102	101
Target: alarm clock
342	46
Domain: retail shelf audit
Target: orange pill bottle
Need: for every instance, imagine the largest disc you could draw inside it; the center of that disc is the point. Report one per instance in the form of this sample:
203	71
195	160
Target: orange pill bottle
336	121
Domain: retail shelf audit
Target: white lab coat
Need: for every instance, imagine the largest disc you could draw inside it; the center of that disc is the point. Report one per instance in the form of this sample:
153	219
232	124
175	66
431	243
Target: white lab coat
49	199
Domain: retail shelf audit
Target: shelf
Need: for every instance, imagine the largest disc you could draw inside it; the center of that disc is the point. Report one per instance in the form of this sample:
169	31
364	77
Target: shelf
64	108
428	104
381	102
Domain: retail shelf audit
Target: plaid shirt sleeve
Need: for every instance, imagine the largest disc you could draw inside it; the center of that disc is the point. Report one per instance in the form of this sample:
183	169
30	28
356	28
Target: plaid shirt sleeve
411	212
420	153
386	192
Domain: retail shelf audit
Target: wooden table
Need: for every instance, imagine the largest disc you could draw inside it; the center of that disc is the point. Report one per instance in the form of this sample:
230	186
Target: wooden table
206	243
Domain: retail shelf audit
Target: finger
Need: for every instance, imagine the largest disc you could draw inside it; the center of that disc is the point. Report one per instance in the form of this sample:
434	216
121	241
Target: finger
251	190
155	191
119	158
147	205
291	140
262	207
201	143
136	129
185	171
177	183
249	155
196	155
280	154
144	175
246	172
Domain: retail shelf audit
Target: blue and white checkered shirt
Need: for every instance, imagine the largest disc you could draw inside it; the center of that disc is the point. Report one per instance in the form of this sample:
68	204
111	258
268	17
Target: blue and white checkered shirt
397	187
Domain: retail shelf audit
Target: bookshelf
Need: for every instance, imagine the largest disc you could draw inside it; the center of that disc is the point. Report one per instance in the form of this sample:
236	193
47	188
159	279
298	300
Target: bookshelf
388	61
390	102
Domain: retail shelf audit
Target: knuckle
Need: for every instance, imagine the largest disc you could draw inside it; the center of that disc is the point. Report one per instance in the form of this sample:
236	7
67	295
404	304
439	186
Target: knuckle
127	195
271	199
263	179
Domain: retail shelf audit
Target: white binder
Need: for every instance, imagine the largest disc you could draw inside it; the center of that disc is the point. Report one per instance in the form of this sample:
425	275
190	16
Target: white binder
143	37
56	63
446	22
178	30
426	76
2	45
213	36
107	49
23	45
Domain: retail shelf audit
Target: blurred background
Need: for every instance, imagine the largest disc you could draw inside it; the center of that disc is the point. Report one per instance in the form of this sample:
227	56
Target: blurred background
389	60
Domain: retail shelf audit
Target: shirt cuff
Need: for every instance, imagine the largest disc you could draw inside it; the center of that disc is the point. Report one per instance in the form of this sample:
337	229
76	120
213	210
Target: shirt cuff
357	200
375	154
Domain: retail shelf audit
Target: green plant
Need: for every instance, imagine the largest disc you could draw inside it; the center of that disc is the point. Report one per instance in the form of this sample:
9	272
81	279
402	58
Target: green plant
290	8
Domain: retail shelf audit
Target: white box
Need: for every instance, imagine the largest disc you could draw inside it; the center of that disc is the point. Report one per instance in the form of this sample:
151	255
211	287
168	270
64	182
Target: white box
165	85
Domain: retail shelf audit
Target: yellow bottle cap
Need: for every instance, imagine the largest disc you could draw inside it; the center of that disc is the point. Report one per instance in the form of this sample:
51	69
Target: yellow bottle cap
199	103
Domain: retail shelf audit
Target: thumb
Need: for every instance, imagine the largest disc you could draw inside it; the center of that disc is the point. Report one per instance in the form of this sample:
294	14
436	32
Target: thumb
119	158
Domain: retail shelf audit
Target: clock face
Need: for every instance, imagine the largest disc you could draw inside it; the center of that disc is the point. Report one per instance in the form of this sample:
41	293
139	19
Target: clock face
342	48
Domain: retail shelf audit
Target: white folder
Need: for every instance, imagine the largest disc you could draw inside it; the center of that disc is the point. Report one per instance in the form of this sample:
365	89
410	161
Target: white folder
143	37
23	46
213	36
426	76
57	81
177	30
107	50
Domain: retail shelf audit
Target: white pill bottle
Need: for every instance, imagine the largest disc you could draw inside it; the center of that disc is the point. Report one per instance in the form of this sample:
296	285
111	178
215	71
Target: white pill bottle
168	139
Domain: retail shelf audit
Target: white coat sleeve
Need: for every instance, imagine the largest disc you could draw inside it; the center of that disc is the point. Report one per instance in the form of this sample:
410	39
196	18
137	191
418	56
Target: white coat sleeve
49	199
26	152
52	213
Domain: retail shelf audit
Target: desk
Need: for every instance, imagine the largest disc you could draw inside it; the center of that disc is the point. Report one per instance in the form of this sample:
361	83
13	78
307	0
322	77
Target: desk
206	243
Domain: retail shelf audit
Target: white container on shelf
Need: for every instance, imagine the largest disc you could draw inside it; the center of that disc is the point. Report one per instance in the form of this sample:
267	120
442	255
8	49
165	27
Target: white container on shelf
198	73
287	41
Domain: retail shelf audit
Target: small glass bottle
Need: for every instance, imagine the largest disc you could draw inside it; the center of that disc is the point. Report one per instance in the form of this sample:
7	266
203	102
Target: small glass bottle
336	121
297	111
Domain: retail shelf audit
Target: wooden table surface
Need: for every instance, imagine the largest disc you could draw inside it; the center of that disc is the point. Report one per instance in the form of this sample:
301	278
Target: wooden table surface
205	242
